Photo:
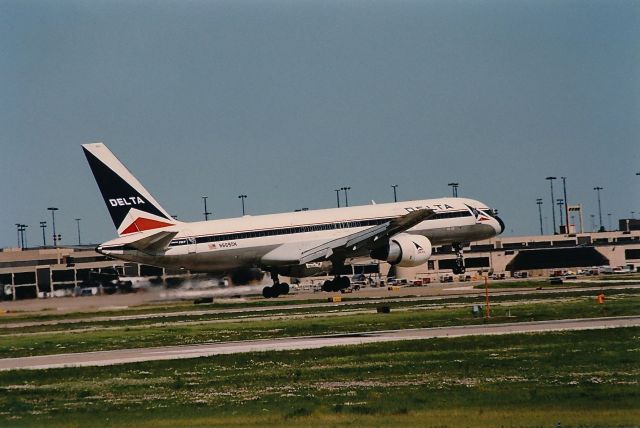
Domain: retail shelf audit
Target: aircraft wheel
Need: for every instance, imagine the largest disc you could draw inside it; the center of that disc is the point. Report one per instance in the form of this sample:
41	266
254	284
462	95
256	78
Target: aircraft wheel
268	292
327	286
457	270
282	288
343	282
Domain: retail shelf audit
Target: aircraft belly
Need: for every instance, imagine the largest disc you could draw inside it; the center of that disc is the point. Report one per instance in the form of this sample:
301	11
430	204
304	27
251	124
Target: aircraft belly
220	260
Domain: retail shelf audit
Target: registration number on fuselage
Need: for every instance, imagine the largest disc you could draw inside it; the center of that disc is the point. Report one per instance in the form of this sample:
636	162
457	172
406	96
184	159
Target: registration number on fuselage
229	244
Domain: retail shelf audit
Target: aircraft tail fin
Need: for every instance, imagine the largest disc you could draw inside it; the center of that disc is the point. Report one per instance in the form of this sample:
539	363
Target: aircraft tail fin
131	206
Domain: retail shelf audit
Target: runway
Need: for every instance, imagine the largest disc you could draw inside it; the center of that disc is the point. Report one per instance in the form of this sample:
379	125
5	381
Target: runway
122	356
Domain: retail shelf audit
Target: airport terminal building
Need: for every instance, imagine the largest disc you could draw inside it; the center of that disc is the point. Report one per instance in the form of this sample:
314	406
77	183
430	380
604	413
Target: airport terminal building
51	272
540	255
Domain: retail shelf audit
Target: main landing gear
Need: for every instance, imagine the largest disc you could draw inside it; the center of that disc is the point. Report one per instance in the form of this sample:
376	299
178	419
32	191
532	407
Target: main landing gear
337	284
277	288
459	266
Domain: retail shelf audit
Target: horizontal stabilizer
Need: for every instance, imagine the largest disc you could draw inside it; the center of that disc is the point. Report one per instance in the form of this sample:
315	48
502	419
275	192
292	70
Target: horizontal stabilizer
154	243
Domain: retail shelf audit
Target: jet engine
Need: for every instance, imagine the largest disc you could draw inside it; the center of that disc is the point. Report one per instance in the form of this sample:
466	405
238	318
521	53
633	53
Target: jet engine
405	250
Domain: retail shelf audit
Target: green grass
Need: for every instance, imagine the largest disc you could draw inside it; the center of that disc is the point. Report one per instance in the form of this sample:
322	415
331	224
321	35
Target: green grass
600	282
513	284
618	277
585	378
18	316
227	330
190	313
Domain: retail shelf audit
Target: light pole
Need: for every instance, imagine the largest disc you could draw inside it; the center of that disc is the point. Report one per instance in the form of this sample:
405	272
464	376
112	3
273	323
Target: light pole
206	213
43	225
395	196
539	202
23	229
609	215
553	209
346	196
337	196
78	223
566	207
598	189
454	189
560	203
242	197
18	229
53	219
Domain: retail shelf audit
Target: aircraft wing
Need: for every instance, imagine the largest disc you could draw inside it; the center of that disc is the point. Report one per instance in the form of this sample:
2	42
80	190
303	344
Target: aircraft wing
361	243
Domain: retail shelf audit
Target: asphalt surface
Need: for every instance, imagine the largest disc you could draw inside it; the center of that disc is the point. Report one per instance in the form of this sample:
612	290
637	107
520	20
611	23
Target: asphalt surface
106	358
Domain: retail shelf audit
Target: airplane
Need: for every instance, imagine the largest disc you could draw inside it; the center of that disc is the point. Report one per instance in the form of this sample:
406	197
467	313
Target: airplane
293	244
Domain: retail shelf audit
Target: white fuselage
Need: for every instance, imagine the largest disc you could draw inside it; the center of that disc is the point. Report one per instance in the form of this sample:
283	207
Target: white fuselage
228	244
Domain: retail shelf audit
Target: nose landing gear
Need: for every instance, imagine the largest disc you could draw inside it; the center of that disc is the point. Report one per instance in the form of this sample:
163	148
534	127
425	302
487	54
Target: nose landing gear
459	267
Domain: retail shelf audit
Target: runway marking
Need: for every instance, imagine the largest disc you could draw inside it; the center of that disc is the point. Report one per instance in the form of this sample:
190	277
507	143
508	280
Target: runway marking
122	356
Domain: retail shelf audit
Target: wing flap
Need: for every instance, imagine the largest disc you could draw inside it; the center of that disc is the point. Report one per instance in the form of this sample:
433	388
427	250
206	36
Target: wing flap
328	249
287	254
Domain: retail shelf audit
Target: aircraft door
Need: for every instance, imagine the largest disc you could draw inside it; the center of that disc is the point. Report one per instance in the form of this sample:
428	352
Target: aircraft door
192	244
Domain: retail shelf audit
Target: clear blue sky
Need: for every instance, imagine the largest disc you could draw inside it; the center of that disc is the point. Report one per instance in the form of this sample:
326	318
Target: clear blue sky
287	100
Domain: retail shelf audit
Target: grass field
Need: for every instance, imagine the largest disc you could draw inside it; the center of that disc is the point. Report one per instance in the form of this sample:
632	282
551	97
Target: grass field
546	284
51	314
146	314
618	277
107	335
47	315
577	379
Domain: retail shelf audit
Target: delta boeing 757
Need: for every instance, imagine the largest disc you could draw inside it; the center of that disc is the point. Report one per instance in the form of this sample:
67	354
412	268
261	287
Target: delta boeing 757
291	244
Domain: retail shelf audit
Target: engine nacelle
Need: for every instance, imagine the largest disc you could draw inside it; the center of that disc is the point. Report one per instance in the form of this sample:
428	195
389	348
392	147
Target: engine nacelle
405	250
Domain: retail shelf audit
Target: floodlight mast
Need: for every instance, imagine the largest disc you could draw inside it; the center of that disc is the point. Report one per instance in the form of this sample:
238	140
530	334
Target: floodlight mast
553	210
